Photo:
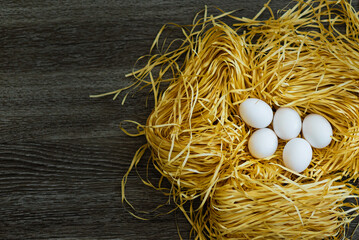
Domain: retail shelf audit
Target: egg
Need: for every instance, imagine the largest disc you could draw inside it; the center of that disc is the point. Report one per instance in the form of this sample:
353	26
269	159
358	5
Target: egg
297	154
263	143
256	113
287	123
317	130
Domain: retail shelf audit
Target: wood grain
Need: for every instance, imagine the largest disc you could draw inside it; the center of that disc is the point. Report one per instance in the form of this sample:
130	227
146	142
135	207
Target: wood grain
62	155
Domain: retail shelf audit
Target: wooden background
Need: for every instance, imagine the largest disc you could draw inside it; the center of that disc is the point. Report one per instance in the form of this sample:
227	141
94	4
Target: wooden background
62	155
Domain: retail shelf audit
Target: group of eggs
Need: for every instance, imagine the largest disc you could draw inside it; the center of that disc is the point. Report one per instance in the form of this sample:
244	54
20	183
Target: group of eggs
287	124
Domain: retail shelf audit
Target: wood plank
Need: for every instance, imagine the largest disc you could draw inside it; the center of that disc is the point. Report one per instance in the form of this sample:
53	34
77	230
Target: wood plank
72	190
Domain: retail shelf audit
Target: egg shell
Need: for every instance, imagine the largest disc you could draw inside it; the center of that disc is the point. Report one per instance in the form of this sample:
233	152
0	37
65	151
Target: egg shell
317	130
263	143
256	113
297	154
287	123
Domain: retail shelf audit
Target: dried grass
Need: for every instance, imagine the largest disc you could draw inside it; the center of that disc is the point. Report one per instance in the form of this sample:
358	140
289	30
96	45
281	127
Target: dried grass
301	60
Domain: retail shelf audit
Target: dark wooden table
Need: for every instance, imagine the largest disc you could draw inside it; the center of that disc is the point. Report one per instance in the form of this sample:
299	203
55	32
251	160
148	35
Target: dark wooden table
62	155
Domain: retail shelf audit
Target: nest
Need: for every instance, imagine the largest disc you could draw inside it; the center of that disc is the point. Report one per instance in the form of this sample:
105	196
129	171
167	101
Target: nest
306	59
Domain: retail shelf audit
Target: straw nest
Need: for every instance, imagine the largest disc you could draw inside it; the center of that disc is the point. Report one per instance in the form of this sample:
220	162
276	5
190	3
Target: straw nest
306	59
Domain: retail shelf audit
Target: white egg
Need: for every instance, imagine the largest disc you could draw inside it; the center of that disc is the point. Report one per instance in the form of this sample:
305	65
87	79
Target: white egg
297	154
263	143
287	123
256	113
317	130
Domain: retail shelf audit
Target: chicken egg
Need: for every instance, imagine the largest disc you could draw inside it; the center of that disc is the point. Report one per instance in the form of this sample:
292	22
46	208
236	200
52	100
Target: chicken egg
256	113
297	154
263	143
317	130
287	123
